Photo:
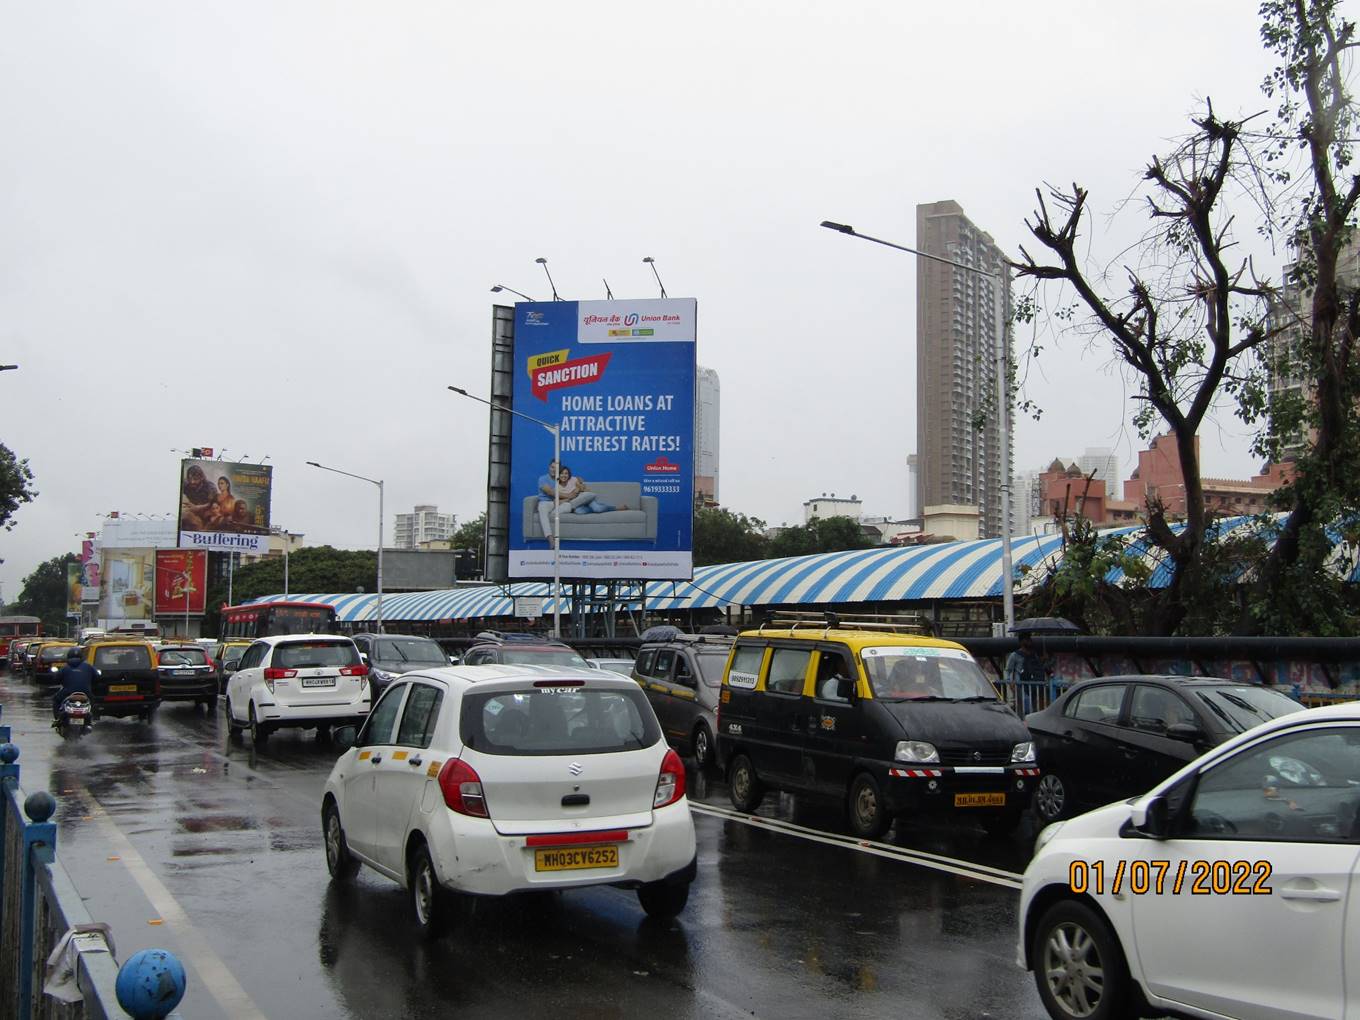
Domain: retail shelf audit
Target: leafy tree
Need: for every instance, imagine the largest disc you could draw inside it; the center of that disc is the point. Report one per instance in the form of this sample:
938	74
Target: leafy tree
16	485
724	536
44	594
320	569
472	535
1316	118
821	534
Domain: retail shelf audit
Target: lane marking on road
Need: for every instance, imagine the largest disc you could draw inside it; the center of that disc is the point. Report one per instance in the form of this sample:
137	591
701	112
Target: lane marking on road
889	851
212	972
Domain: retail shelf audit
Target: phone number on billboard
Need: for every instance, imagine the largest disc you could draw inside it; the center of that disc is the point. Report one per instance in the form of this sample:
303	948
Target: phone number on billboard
661	488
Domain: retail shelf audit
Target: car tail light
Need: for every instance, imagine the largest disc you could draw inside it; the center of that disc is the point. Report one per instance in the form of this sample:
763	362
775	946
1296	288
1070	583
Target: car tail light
271	674
360	671
462	788
670	785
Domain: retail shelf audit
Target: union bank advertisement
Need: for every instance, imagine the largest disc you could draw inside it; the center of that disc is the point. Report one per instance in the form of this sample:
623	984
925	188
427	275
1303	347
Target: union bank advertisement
617	378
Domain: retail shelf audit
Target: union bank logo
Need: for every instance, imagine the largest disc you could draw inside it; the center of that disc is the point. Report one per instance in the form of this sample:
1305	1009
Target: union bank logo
631	319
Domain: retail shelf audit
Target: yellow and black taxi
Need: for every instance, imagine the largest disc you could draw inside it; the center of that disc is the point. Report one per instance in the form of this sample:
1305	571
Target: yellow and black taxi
888	722
126	681
49	661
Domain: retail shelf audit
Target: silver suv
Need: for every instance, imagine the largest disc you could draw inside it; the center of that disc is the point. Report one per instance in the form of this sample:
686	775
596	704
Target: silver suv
682	675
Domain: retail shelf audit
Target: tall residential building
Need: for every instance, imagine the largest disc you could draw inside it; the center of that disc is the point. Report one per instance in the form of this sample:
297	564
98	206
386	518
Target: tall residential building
706	407
960	326
423	524
1103	462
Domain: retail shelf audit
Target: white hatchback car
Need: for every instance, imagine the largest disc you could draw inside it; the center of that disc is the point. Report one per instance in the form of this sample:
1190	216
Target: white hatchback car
1230	890
302	680
495	779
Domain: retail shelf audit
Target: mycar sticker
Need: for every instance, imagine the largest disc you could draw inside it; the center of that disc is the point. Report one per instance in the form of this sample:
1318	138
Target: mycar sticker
617	378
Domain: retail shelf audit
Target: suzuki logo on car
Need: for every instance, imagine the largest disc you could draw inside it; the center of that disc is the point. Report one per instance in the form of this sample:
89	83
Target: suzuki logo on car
576	768
977	756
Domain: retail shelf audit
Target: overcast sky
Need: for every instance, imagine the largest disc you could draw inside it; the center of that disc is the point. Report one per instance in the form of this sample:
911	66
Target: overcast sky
271	227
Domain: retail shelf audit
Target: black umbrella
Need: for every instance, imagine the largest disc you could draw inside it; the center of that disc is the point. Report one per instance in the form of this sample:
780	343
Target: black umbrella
1045	625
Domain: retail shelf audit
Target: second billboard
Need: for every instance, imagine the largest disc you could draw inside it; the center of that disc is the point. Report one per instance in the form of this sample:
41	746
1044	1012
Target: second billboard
617	377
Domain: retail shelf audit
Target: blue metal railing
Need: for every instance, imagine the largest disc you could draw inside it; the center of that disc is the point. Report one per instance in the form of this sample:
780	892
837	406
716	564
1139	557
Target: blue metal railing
40	910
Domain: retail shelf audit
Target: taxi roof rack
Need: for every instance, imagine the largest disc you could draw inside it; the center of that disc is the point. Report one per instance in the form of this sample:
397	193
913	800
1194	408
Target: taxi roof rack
904	623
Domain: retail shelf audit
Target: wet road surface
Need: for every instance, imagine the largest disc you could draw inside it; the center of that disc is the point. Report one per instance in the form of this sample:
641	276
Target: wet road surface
183	840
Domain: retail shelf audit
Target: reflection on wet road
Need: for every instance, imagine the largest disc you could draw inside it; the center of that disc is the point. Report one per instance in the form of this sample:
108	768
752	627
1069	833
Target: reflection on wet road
182	839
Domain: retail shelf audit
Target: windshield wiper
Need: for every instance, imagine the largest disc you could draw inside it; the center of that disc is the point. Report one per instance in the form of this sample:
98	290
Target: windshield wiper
977	697
928	697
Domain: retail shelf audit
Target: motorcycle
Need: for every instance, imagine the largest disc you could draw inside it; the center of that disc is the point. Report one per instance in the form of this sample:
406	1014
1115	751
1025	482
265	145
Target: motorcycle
77	715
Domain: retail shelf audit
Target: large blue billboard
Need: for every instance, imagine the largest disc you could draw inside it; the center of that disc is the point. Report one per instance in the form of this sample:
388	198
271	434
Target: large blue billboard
617	377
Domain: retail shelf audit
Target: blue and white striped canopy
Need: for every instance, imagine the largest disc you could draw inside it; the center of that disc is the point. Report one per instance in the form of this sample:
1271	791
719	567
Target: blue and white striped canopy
924	573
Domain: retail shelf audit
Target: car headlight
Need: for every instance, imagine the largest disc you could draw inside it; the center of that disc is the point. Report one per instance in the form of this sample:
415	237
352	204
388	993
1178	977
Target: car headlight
1024	753
54	669
1045	836
916	751
382	676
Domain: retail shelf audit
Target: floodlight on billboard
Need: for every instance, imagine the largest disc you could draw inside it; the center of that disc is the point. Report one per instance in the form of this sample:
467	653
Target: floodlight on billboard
618	377
224	505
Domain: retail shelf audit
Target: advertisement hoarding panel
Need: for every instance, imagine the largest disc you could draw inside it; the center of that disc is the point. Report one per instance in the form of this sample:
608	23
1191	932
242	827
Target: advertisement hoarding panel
618	379
181	582
126	584
224	505
74	589
89	573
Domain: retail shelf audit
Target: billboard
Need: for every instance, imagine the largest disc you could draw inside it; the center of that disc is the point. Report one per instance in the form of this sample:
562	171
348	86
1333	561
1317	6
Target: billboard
126	584
224	505
181	582
74	589
89	572
617	378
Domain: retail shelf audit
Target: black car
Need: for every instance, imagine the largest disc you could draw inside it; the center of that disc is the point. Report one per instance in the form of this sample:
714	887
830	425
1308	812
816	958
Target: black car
187	674
1115	737
390	655
493	647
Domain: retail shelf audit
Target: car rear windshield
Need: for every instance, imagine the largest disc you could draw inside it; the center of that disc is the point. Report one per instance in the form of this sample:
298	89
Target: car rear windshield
558	720
310	654
1241	708
902	673
53	654
711	666
126	657
412	649
183	657
543	657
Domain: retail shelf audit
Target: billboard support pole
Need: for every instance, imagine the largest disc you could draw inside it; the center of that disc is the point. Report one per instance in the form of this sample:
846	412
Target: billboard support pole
556	431
379	483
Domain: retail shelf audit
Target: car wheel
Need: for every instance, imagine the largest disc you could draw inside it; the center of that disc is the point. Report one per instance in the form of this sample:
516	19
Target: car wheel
1078	965
339	861
435	907
258	733
1050	798
233	727
703	746
869	818
743	786
662	900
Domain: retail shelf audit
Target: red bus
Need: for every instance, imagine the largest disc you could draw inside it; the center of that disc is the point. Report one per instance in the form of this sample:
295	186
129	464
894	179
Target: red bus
265	619
12	627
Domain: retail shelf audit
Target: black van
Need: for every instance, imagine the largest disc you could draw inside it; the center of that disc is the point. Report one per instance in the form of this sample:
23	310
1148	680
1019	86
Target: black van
891	724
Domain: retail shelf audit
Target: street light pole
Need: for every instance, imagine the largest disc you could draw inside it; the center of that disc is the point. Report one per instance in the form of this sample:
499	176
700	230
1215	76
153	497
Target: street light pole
556	431
379	483
1003	403
500	287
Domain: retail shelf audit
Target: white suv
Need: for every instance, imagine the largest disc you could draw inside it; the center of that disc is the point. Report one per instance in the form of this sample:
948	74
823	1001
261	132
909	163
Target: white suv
1229	890
495	779
304	680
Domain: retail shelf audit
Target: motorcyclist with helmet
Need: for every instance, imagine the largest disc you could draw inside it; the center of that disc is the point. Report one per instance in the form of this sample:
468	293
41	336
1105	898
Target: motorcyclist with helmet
76	677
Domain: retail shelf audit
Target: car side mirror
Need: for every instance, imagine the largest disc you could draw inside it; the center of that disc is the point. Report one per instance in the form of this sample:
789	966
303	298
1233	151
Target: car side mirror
363	658
1188	732
343	738
1148	816
845	688
453	660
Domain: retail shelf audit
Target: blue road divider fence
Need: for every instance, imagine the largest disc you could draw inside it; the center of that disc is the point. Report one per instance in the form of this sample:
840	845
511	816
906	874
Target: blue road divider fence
55	960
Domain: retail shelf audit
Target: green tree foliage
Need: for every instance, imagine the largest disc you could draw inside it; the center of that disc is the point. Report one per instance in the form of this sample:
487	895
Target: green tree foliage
16	485
319	569
822	534
472	535
724	536
44	594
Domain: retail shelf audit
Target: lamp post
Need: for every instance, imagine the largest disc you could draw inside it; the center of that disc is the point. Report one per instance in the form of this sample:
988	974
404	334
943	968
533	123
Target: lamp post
1003	402
379	484
556	431
500	287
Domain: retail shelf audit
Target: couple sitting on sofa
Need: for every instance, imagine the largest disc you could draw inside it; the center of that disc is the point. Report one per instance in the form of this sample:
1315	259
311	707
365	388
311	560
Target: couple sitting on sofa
573	495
